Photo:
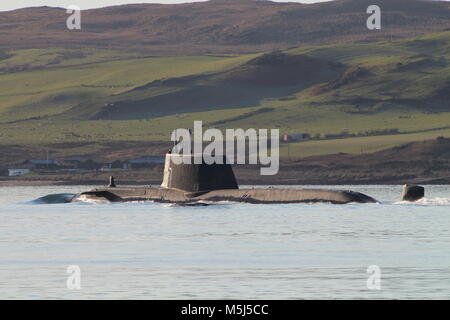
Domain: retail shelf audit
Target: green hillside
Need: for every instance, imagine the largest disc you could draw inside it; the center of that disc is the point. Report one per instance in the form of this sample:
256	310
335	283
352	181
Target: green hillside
60	80
67	96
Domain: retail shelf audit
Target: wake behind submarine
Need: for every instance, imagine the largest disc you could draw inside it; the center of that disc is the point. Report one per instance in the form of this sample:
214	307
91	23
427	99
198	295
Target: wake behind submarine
197	183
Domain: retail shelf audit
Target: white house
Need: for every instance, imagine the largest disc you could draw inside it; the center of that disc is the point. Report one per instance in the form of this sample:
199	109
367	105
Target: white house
18	172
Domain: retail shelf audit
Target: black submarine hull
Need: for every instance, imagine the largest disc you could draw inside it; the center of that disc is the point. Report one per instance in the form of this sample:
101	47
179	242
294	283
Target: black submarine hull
255	196
190	183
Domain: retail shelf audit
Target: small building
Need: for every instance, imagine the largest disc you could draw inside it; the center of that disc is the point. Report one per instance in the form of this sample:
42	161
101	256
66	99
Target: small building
18	172
82	162
144	162
75	160
295	137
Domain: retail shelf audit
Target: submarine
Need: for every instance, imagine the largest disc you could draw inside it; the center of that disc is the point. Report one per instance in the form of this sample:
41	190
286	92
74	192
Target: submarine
191	184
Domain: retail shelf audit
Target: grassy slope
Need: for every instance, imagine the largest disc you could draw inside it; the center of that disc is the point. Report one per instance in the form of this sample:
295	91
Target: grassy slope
56	87
400	96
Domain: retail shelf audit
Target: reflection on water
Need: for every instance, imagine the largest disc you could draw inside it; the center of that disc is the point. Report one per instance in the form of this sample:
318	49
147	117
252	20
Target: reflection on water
223	251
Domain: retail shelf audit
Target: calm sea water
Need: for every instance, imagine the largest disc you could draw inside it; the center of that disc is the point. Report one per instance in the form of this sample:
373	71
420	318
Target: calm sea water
225	251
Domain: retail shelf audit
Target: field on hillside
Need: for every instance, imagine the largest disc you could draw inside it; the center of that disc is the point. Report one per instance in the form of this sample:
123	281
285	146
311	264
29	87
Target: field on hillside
46	88
63	96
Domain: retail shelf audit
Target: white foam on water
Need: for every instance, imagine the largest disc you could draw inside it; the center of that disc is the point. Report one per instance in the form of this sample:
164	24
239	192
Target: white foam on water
84	199
427	202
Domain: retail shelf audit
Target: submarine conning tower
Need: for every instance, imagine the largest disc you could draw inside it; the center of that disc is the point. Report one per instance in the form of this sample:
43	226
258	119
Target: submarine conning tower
191	177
